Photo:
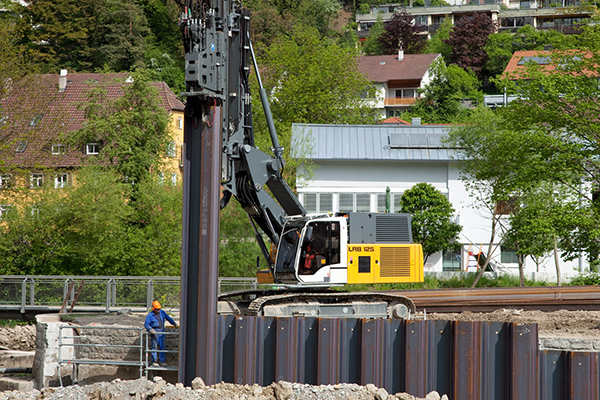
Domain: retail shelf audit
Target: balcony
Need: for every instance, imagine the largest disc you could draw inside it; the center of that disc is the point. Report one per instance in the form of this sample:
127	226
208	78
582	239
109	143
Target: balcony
399	102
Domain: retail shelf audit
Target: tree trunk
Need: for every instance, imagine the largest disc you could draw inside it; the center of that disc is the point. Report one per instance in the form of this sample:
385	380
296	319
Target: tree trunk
521	271
558	280
489	253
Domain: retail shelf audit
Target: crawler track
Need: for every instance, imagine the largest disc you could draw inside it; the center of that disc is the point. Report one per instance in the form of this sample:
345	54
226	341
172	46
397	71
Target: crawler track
548	298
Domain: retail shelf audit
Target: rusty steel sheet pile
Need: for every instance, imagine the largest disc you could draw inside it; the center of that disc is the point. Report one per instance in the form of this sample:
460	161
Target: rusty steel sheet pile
465	360
489	299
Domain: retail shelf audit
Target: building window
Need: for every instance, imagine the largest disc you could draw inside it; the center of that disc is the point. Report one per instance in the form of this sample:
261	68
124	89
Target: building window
36	120
451	260
506	207
34	211
181	155
405	93
92	148
346	202
5	181
508	255
5	210
325	202
161	178
310	202
363	202
21	146
37	181
58	148
179	123
61	181
171	150
174	178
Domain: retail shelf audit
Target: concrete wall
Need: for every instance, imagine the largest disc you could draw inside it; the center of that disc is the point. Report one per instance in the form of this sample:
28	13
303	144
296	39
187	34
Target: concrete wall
102	350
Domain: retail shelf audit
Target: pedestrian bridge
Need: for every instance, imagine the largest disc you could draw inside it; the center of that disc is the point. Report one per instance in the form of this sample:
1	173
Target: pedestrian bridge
25	296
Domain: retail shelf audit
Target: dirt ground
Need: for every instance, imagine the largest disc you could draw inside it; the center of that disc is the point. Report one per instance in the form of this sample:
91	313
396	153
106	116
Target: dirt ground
563	323
572	324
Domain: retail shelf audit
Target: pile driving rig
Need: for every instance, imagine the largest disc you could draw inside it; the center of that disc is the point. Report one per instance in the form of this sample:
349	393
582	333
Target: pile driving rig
313	252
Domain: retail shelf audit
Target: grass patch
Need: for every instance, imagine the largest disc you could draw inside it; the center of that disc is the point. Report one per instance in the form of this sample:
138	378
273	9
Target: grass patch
11	323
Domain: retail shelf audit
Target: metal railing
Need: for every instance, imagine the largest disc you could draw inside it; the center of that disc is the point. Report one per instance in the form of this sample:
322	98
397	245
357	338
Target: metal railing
80	341
31	292
151	367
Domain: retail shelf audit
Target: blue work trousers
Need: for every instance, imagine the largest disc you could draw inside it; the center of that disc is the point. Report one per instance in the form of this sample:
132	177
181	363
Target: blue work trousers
157	340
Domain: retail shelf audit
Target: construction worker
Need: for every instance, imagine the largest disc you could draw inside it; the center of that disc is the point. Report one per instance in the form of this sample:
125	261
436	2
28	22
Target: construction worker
155	325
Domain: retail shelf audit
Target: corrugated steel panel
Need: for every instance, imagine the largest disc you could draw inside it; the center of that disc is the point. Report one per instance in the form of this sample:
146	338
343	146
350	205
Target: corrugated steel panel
466	360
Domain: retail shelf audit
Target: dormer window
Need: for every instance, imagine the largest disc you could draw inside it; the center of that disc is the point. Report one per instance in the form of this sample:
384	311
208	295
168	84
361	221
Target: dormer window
21	146
58	148
36	120
92	148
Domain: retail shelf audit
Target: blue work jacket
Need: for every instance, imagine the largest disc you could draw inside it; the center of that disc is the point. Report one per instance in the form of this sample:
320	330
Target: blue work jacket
152	321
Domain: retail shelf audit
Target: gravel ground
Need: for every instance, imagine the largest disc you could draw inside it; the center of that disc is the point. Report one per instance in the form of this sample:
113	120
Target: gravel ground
159	389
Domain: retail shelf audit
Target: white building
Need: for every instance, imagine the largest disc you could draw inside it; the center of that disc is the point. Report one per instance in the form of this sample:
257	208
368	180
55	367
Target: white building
397	78
356	163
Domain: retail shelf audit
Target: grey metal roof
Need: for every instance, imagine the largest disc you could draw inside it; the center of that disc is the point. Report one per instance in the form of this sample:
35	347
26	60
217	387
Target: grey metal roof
371	142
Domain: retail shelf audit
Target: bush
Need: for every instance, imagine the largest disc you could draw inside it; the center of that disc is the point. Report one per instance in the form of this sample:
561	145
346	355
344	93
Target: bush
590	278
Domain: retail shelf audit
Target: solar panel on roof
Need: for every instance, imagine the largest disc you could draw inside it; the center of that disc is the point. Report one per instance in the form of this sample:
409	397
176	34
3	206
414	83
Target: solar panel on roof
536	59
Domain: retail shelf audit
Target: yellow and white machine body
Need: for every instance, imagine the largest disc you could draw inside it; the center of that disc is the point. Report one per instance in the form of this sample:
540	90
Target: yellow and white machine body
354	248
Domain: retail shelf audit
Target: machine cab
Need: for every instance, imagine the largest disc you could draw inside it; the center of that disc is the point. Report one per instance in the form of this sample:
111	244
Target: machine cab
313	251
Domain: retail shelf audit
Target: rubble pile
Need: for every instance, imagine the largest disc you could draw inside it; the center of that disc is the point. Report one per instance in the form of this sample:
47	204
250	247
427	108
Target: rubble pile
143	389
21	337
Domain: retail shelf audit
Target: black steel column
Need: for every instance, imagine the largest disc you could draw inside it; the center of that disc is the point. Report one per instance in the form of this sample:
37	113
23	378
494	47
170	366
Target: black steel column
200	242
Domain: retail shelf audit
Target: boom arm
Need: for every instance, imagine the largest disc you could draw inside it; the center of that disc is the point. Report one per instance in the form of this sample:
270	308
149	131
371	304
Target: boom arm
217	46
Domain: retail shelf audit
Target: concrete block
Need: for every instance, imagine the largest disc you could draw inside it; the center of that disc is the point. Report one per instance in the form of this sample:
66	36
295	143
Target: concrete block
16	359
19	384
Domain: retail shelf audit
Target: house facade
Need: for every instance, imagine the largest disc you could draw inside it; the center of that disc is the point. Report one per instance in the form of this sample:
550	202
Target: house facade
35	122
355	164
560	15
397	78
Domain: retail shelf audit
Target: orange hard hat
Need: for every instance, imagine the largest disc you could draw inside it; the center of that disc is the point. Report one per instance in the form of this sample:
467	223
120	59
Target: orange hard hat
156	305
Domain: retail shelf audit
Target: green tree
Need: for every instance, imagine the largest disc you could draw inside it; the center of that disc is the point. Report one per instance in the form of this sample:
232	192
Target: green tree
432	214
75	230
441	98
438	44
372	45
132	130
59	33
310	79
118	38
153	232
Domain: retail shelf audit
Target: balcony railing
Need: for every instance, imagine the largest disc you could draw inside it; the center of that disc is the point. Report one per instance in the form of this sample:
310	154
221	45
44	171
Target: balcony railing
399	102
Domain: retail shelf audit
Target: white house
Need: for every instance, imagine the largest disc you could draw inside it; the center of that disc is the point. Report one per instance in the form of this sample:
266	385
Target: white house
356	163
397	78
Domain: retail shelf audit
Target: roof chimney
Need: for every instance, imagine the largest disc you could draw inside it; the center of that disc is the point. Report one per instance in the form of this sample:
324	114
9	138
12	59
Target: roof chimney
400	55
416	121
62	80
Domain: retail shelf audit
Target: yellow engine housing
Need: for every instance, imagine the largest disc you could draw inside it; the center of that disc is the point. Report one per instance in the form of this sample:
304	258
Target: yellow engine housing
385	263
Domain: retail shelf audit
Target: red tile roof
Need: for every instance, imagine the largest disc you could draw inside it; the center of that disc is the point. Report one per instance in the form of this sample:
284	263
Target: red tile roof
394	120
62	114
541	57
388	68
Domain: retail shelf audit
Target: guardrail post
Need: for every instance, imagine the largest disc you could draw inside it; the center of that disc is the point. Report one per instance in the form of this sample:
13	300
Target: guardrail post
108	297
66	290
23	295
32	292
149	294
114	292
